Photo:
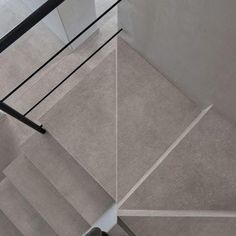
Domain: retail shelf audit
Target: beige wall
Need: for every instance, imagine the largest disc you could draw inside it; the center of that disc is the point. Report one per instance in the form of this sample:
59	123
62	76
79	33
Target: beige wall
192	42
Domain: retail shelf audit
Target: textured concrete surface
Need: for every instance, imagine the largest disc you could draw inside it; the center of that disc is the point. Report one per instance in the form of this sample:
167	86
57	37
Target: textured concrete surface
9	144
68	177
49	79
6	227
21	213
152	113
87	128
55	210
189	226
198	175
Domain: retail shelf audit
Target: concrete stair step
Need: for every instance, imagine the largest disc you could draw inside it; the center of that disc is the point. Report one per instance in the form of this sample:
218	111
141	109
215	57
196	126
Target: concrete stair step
199	174
181	226
6	227
21	213
84	123
152	115
49	79
9	144
55	210
68	177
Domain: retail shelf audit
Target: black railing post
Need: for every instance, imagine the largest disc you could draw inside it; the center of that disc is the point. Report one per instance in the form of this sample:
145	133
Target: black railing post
12	112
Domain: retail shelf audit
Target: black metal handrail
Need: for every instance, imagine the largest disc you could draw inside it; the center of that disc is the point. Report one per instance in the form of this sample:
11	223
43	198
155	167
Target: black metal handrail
28	23
22	28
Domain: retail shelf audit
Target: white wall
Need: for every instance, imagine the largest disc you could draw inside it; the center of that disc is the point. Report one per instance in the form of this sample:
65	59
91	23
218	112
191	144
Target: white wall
69	18
192	42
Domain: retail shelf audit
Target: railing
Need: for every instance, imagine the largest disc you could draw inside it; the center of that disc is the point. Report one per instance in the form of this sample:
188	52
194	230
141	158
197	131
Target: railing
22	28
96	232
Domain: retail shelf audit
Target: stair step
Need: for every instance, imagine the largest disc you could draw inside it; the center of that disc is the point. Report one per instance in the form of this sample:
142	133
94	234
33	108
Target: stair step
152	115
68	177
199	174
21	213
84	123
6	227
49	79
56	211
9	144
182	226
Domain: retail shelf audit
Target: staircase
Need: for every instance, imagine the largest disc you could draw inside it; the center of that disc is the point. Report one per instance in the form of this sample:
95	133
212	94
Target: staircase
119	136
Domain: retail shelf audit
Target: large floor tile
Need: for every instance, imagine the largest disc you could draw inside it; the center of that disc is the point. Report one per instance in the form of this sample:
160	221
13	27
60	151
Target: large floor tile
68	177
21	213
55	210
49	79
84	123
181	226
198	175
152	113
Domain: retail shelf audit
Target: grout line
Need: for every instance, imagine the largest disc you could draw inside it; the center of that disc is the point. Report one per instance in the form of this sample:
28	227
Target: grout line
116	121
167	213
165	154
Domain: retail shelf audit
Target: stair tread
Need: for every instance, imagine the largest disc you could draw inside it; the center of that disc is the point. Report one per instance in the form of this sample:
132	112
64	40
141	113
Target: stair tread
184	226
87	127
68	177
152	115
21	213
7	152
48	80
6	226
199	174
56	211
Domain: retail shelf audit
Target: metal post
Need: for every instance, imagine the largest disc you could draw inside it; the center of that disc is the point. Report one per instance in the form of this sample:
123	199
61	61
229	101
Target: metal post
12	112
